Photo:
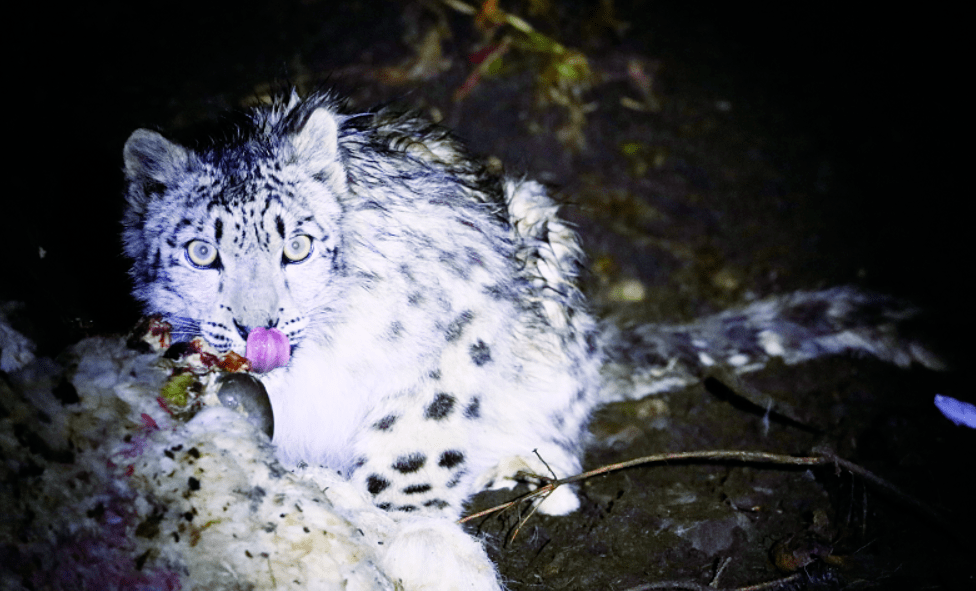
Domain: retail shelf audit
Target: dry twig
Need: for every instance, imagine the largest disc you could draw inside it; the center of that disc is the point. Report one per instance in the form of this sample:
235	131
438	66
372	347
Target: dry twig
824	458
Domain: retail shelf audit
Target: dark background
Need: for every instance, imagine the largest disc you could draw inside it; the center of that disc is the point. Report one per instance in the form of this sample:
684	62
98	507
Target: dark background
877	94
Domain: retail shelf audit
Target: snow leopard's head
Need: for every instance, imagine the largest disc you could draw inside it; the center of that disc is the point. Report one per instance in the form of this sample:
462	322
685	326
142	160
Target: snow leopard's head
241	235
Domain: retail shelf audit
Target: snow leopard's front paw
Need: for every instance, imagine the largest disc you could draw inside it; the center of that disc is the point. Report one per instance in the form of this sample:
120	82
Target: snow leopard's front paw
516	469
434	554
561	501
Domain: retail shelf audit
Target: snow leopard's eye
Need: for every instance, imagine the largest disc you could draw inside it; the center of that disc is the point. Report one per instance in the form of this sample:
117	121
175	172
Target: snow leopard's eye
297	249
201	254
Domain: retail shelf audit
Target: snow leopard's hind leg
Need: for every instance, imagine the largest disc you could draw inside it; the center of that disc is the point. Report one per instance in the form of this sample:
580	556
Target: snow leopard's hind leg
558	351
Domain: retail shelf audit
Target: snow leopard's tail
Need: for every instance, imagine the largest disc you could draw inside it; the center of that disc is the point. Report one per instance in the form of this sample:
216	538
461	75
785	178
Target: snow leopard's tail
794	328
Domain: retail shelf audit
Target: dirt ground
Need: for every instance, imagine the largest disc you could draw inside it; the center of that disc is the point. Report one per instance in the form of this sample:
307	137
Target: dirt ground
683	521
724	154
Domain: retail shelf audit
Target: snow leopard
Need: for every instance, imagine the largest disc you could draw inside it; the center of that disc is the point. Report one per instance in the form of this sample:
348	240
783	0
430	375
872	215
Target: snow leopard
414	314
434	336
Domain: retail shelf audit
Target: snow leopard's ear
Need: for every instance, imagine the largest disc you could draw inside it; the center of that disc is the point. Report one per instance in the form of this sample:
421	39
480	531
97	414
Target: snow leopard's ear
316	146
152	163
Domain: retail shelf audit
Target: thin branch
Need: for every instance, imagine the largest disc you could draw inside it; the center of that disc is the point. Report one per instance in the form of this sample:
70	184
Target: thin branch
759	457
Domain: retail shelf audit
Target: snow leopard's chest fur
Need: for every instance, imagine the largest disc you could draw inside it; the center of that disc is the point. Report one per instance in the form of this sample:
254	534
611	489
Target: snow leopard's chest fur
437	336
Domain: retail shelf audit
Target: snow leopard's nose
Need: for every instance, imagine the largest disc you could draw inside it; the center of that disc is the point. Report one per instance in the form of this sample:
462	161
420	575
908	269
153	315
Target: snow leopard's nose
245	330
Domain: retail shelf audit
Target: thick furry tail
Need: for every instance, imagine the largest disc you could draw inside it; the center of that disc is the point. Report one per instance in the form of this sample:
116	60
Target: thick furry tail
794	328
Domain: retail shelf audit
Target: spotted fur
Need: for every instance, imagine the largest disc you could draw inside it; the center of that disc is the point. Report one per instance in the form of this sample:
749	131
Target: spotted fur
436	328
438	337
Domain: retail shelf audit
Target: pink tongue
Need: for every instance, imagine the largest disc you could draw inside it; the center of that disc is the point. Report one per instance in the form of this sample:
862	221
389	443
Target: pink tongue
267	348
